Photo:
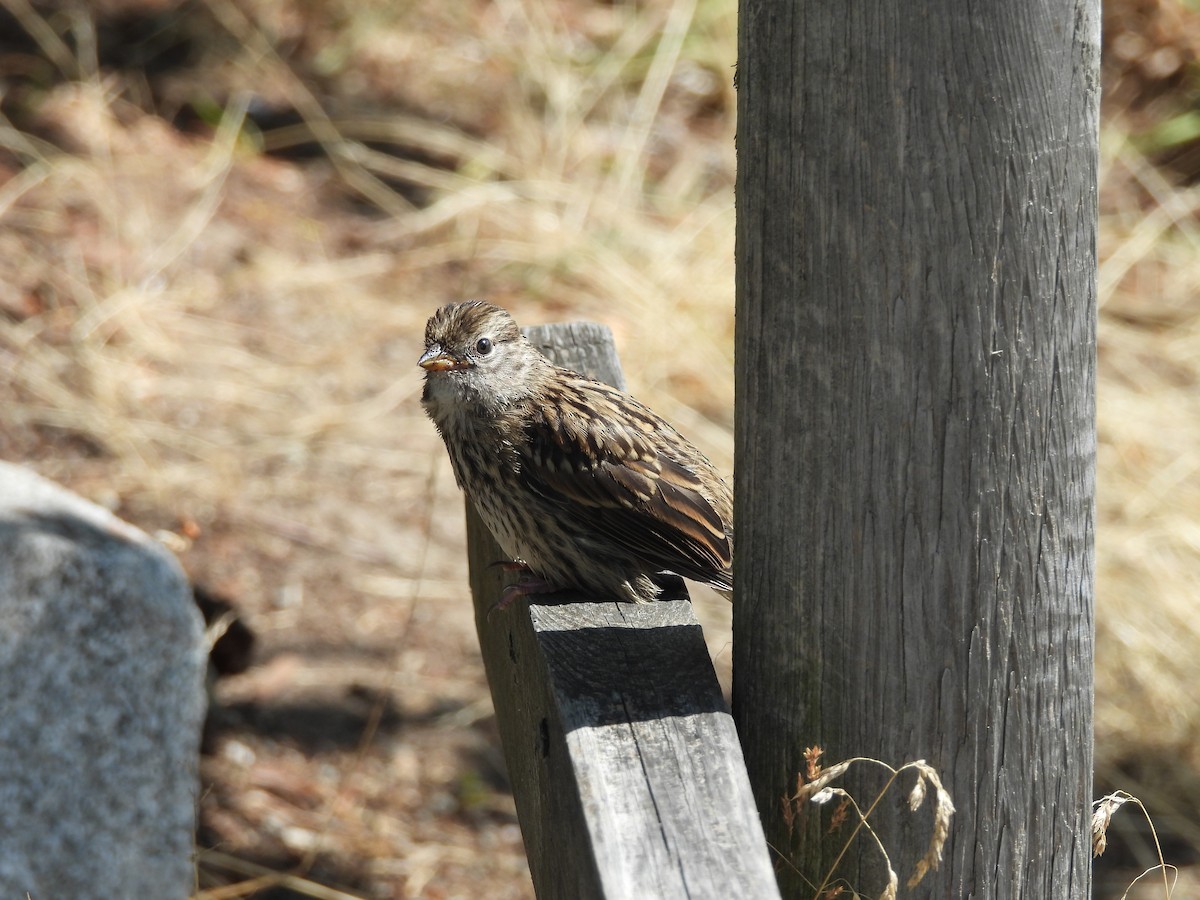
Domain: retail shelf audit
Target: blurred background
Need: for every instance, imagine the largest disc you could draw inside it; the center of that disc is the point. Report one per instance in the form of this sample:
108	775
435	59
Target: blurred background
223	224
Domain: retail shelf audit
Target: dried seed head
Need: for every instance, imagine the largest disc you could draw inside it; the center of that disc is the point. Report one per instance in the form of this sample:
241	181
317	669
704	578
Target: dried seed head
1102	815
889	892
917	796
943	811
812	762
817	784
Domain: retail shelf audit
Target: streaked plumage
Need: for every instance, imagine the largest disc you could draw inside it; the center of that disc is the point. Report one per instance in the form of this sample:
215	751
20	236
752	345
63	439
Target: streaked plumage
579	481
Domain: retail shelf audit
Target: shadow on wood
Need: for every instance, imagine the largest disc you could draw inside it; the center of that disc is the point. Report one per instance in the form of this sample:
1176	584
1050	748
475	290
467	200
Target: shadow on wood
624	760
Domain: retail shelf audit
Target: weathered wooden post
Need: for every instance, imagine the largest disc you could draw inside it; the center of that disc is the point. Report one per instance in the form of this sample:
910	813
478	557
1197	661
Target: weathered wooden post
624	760
915	418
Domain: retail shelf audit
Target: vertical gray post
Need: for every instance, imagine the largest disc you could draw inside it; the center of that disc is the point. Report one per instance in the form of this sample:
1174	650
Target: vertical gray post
915	418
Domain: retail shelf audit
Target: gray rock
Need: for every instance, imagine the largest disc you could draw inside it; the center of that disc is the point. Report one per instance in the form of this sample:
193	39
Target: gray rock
101	702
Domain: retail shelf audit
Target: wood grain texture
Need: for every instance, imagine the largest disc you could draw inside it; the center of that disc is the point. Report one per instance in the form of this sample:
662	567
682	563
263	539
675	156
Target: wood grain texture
915	480
624	760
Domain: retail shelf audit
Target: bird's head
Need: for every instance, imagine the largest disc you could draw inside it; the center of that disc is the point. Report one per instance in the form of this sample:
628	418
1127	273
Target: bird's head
476	355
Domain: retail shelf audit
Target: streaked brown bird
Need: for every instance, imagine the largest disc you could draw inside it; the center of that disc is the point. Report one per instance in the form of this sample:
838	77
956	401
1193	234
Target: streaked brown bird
578	481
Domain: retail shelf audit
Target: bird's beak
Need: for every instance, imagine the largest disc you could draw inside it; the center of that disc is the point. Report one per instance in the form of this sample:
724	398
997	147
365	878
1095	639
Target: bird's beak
435	359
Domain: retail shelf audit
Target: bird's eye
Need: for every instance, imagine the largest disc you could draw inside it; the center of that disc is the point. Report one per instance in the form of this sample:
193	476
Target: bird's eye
483	346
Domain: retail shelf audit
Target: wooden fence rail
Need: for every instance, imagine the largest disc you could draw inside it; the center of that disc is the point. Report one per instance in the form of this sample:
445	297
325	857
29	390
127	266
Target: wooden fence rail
624	760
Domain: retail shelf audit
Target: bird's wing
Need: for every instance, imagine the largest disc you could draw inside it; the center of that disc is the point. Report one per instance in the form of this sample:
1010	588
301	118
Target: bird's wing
630	477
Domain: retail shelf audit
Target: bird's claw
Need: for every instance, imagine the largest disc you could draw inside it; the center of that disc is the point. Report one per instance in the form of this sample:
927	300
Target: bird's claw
523	588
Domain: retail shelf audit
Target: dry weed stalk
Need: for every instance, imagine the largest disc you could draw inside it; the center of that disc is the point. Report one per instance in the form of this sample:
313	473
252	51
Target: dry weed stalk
814	785
259	878
1102	813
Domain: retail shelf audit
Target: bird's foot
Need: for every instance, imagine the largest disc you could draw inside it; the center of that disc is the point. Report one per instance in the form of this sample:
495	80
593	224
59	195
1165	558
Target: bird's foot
529	584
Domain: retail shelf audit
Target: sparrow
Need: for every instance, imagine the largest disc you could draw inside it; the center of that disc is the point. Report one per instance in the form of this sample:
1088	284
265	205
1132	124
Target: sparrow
580	484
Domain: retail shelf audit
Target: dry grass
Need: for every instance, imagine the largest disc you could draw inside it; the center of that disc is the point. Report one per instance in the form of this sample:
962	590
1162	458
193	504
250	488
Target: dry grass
1148	537
219	343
